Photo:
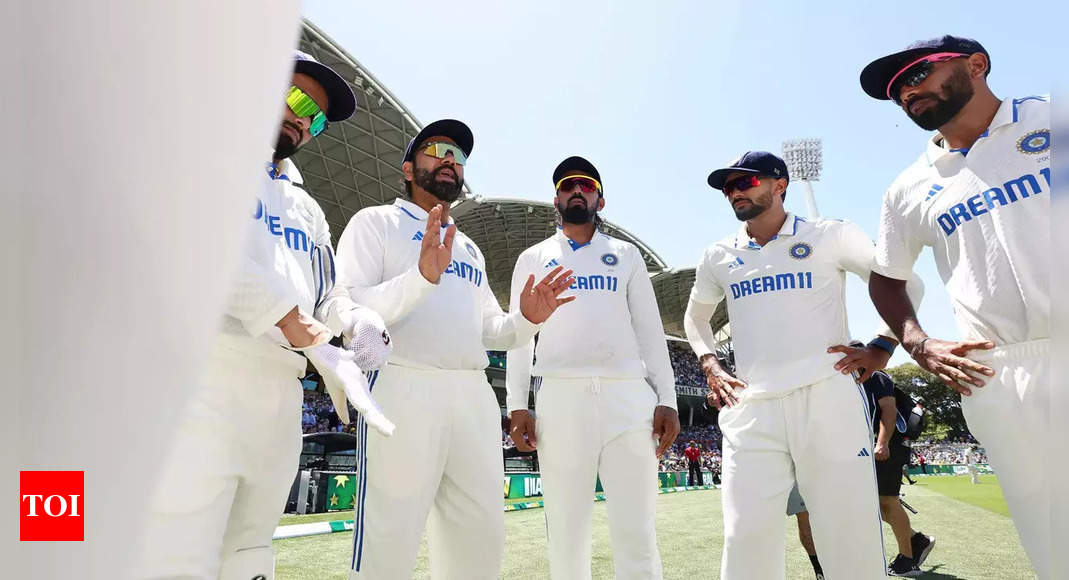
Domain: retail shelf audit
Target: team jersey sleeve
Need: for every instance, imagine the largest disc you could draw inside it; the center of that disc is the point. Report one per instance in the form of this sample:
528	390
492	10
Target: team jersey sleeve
520	359
359	275
649	332
259	296
897	243
501	330
856	255
704	298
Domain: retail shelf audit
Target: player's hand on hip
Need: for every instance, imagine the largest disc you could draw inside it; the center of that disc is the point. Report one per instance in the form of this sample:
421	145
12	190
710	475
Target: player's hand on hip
436	253
523	430
722	386
539	301
881	452
665	427
949	361
865	360
302	330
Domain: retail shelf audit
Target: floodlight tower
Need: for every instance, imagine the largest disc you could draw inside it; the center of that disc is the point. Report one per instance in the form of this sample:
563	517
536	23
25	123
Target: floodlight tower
804	159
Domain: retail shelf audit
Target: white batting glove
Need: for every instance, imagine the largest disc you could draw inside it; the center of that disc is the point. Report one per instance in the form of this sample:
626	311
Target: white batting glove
346	382
367	338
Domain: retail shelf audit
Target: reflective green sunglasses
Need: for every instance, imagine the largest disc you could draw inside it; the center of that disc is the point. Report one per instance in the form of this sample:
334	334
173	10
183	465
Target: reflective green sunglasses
441	149
303	106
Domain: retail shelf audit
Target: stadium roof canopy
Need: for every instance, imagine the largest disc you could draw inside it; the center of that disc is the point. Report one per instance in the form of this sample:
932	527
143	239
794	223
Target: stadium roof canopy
672	288
357	163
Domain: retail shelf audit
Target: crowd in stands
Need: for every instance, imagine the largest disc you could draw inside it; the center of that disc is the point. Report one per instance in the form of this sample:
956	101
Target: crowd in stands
318	414
685	364
706	437
947	452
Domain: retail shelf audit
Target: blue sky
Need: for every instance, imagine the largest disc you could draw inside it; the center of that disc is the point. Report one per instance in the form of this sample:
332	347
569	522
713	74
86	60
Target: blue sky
657	94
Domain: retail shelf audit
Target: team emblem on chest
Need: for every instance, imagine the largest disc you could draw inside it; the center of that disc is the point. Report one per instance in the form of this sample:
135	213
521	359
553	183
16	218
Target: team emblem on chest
609	259
1034	142
801	251
471	250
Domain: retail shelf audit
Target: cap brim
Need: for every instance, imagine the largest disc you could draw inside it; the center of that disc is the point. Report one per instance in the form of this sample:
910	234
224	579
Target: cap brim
717	178
876	76
575	163
455	130
342	101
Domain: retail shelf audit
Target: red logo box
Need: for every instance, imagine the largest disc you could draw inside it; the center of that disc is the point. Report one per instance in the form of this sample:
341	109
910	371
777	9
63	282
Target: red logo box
52	506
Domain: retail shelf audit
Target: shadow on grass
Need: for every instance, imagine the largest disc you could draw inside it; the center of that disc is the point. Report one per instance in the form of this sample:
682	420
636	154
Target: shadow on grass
933	573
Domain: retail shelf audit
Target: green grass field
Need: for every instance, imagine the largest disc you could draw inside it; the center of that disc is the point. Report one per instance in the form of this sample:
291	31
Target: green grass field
975	538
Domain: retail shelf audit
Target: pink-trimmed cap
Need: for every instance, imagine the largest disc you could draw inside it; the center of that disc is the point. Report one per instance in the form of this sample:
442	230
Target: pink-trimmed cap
937	57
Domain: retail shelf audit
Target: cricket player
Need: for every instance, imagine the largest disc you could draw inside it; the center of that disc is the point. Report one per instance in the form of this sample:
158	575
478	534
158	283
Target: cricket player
979	195
226	479
971	460
606	403
409	263
793	413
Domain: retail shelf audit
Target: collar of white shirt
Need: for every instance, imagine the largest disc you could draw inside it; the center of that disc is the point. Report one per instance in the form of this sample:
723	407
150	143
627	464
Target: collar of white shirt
561	237
1006	115
414	211
789	228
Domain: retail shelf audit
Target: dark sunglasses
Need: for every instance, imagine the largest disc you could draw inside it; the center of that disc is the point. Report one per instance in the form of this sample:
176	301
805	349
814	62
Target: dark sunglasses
915	72
741	183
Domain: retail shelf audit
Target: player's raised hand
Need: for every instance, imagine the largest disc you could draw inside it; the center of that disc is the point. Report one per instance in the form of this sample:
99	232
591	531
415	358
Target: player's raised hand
538	302
722	386
435	254
865	360
949	361
665	427
523	430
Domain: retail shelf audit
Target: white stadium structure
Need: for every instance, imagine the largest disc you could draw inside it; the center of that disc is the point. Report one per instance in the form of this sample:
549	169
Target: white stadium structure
356	164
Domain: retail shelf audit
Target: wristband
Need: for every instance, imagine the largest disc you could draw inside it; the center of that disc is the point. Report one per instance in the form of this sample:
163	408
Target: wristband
883	344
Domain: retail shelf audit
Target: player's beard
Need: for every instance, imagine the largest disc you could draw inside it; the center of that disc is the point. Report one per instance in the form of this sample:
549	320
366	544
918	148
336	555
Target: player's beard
956	92
285	147
576	214
443	190
755	208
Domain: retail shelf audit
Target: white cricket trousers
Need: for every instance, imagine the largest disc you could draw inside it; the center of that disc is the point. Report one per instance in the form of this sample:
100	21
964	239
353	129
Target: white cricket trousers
444	459
228	474
593	426
1010	417
820	436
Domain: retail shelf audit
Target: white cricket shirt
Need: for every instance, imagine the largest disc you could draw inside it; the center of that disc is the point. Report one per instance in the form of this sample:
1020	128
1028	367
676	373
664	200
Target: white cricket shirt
612	329
281	267
785	300
986	214
448	325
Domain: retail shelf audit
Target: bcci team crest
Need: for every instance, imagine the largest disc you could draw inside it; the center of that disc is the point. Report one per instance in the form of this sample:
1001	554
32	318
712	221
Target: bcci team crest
471	250
610	259
801	251
1034	142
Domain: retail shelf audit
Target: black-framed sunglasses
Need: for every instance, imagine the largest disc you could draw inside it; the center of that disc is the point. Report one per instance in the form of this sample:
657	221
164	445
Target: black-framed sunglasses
915	72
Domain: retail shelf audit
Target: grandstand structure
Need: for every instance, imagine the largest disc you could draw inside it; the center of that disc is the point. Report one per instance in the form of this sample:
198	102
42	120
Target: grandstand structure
357	163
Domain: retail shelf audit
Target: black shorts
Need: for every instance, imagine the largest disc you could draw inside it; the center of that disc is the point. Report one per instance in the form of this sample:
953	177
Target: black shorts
889	473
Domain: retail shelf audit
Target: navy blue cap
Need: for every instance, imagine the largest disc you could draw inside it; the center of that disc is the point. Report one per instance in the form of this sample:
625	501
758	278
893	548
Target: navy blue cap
575	163
455	130
342	102
878	74
754	162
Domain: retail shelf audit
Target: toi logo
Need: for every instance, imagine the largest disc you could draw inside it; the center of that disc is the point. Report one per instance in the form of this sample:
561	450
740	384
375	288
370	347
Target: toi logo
51	506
